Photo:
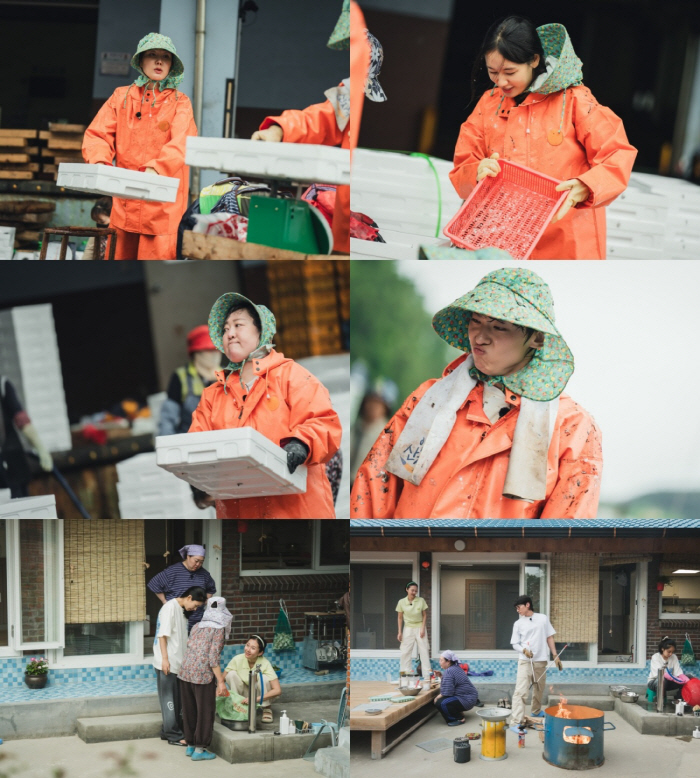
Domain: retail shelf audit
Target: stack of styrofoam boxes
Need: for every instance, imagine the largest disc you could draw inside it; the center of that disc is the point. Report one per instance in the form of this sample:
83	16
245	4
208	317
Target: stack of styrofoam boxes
655	218
7	242
29	359
146	491
402	195
42	506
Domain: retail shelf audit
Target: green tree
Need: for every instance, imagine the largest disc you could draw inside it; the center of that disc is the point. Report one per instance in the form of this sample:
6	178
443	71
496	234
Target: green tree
390	330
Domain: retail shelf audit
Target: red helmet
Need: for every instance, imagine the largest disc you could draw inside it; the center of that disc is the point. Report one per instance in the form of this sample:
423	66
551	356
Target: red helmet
199	340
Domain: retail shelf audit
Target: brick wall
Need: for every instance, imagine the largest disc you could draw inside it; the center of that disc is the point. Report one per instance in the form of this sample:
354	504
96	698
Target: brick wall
675	628
31	552
254	600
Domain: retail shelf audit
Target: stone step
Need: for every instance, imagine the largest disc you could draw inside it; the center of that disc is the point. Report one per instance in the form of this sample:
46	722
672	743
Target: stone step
104	729
333	762
344	737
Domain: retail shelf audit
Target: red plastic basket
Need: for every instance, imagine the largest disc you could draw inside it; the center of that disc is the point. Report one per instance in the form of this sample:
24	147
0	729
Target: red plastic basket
509	211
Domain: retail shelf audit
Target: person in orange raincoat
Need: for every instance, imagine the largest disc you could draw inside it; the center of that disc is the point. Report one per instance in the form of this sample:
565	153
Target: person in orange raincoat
328	123
263	389
144	127
539	114
495	437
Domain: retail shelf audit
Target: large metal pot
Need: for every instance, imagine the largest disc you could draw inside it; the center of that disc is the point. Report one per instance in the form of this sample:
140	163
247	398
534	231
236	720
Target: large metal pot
575	743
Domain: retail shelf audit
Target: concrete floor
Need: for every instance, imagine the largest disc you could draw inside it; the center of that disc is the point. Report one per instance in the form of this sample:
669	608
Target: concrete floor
41	759
627	754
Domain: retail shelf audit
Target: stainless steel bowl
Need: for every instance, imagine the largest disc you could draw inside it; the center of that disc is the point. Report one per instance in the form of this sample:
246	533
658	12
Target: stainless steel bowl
411	692
616	691
629	696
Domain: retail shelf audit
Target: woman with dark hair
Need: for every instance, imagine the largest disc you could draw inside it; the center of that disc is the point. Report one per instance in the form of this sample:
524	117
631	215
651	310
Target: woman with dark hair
665	659
262	389
539	114
457	693
237	674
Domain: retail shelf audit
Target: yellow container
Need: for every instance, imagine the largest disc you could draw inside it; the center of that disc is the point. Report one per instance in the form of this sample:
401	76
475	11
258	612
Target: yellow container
493	740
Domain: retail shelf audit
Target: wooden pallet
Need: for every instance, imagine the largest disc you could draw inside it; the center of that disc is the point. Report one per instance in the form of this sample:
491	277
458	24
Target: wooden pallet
198	246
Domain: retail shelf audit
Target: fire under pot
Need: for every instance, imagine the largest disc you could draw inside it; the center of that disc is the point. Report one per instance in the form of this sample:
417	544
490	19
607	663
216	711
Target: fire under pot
573	736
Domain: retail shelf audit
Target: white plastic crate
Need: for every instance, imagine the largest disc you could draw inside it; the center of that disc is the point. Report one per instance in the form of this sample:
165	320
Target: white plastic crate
628	251
158	490
229	464
636	232
399	245
142	470
41	507
298	162
117	182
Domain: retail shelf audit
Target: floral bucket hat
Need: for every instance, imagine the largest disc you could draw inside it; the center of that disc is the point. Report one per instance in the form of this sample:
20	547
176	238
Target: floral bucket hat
217	319
154	40
521	297
340	37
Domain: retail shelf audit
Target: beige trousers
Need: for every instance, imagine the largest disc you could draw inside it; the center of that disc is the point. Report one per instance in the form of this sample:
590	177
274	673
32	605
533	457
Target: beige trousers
411	638
235	684
522	686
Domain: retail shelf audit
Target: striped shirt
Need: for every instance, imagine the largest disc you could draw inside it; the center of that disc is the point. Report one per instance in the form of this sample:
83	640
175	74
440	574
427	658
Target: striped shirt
175	580
455	683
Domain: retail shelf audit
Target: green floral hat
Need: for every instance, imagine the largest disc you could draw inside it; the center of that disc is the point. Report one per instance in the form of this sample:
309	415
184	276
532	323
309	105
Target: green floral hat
154	40
520	297
340	37
568	72
217	319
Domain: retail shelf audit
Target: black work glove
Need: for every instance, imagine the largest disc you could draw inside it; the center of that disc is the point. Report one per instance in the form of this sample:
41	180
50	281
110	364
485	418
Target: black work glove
296	453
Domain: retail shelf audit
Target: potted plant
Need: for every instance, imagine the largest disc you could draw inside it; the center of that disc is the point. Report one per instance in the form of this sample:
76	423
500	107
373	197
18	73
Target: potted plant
36	673
662	581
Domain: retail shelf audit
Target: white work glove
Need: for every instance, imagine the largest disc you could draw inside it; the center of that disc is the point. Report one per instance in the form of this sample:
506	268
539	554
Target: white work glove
273	133
487	167
45	459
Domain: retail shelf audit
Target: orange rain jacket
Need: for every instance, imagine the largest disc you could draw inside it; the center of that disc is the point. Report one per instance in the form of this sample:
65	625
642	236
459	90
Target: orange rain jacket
594	149
467	477
317	124
155	140
299	406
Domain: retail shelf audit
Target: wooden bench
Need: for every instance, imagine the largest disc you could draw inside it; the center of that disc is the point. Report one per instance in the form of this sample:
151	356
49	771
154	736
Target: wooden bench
361	691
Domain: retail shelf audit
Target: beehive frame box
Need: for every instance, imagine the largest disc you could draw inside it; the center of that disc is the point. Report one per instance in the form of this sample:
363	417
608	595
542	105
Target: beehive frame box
118	182
230	464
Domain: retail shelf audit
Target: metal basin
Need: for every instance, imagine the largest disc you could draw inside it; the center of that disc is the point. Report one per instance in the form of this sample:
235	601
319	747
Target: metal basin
629	696
616	691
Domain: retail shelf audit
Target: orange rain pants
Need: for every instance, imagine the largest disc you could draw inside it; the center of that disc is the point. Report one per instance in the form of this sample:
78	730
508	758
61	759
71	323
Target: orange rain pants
156	140
317	124
285	402
467	477
593	148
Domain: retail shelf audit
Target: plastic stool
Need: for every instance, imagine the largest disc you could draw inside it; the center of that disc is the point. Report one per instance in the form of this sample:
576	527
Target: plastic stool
651	695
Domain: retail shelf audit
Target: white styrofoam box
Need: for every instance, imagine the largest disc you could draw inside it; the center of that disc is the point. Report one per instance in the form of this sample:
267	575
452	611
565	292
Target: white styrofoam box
28	340
6	252
172	508
229	464
636	232
7	236
5	495
298	162
399	245
634	252
117	182
41	507
142	470
638	205
401	193
158	490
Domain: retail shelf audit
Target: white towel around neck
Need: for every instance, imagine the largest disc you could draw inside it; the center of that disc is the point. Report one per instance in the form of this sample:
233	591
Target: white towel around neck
433	418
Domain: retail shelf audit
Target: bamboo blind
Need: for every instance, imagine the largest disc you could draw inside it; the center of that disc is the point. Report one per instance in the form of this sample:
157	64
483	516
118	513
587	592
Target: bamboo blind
104	571
574	587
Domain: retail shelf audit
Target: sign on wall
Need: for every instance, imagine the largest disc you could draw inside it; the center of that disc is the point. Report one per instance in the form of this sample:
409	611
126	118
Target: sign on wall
114	63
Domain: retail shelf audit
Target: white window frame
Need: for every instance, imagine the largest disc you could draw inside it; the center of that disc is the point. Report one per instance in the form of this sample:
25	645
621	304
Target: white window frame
388	558
9	650
675	616
640	625
54	607
316	569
